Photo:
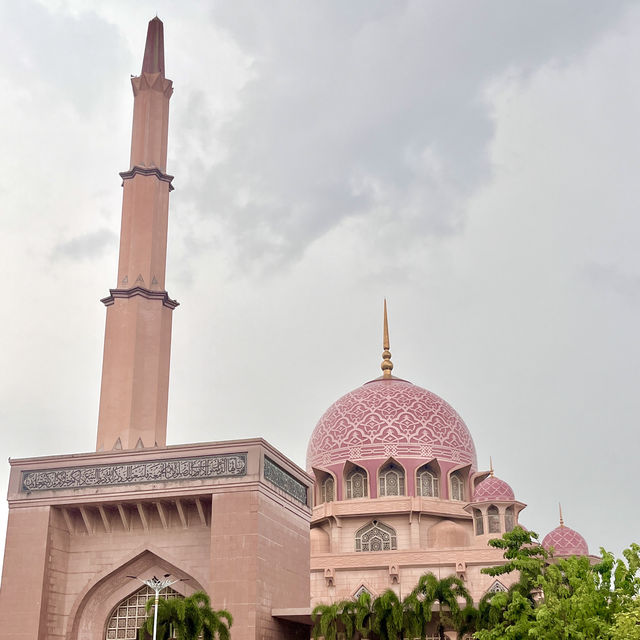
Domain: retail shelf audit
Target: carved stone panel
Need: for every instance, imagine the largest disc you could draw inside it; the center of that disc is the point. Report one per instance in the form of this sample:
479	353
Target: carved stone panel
122	474
282	479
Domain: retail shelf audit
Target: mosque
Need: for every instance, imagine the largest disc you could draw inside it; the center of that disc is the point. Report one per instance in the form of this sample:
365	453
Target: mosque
391	490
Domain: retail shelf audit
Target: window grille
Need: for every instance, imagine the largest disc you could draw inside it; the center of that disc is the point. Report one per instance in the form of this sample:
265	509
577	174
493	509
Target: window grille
428	485
357	484
129	615
391	481
457	488
360	591
509	519
479	522
327	490
496	587
493	516
376	537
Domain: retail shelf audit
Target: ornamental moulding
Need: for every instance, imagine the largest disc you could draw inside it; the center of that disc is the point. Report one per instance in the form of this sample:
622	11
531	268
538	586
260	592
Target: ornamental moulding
163	296
107	475
147	171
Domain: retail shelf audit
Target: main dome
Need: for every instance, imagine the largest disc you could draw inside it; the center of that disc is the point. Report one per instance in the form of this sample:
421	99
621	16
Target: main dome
390	417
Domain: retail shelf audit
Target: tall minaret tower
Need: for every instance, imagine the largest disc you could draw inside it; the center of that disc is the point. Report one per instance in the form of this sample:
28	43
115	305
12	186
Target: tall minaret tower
137	343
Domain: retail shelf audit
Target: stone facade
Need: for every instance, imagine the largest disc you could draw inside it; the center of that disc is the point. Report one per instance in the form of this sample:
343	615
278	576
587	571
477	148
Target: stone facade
235	533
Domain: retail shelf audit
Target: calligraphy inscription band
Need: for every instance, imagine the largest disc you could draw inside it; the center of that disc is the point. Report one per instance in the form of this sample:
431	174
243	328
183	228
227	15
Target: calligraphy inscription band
108	475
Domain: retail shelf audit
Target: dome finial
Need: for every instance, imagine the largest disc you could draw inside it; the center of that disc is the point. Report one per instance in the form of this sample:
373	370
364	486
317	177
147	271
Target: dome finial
560	510
490	467
386	365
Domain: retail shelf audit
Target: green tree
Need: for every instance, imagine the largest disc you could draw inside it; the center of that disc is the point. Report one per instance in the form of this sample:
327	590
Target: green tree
626	625
388	616
329	619
445	592
363	614
188	618
509	614
566	598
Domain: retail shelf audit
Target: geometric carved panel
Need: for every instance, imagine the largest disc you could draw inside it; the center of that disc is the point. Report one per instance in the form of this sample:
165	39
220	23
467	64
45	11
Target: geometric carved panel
284	480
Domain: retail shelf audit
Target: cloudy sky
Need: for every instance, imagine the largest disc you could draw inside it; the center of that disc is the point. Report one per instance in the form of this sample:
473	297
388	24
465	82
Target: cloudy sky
474	162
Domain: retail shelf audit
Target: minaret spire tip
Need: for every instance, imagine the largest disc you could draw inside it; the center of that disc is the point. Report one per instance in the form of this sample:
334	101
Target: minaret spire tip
387	365
153	61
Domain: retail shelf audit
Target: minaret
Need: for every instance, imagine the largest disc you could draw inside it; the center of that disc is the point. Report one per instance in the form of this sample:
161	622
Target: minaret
137	343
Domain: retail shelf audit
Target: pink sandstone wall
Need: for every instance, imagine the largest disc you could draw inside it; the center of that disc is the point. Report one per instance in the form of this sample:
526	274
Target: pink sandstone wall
243	539
25	578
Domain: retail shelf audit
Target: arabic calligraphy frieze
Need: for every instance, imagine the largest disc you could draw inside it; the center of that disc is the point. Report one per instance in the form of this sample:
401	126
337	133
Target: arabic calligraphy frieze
121	474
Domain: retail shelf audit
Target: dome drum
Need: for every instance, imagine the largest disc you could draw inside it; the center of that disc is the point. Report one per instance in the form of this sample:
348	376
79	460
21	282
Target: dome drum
410	468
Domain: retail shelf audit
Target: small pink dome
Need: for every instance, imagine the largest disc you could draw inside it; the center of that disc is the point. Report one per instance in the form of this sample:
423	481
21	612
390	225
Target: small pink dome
566	542
392	417
493	488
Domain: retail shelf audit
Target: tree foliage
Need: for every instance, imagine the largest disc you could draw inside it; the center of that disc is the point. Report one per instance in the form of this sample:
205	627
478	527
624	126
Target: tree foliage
189	618
561	599
390	618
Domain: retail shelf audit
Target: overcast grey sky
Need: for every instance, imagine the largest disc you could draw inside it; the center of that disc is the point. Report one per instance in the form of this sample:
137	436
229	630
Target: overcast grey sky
475	162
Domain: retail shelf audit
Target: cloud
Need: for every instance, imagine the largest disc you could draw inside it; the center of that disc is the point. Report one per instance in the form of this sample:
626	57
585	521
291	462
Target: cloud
353	111
85	247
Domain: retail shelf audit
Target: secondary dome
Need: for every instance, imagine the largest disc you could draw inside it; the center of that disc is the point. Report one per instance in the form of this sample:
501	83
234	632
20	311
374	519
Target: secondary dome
390	417
566	542
492	488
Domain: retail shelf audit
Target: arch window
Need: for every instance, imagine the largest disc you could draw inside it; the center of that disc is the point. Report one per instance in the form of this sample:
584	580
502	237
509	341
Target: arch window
327	490
362	589
428	485
457	487
478	522
509	518
497	587
391	479
376	536
129	615
493	518
357	484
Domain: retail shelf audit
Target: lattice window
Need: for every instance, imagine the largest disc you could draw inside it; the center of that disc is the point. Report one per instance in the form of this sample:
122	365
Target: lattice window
391	478
327	490
509	519
129	615
360	591
496	587
357	484
493	517
479	522
457	487
376	536
428	484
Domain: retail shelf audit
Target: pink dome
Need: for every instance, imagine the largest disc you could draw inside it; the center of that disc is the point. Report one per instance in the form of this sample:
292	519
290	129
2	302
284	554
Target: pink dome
493	488
566	542
386	418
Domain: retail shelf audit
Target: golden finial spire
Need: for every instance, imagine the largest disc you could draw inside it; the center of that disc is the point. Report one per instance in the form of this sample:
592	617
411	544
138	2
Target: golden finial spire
490	467
386	365
561	520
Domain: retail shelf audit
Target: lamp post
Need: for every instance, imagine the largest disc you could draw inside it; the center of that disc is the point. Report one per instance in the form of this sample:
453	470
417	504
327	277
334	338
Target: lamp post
157	584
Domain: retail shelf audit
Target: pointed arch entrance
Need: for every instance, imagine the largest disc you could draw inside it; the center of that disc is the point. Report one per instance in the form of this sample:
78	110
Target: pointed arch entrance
96	605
